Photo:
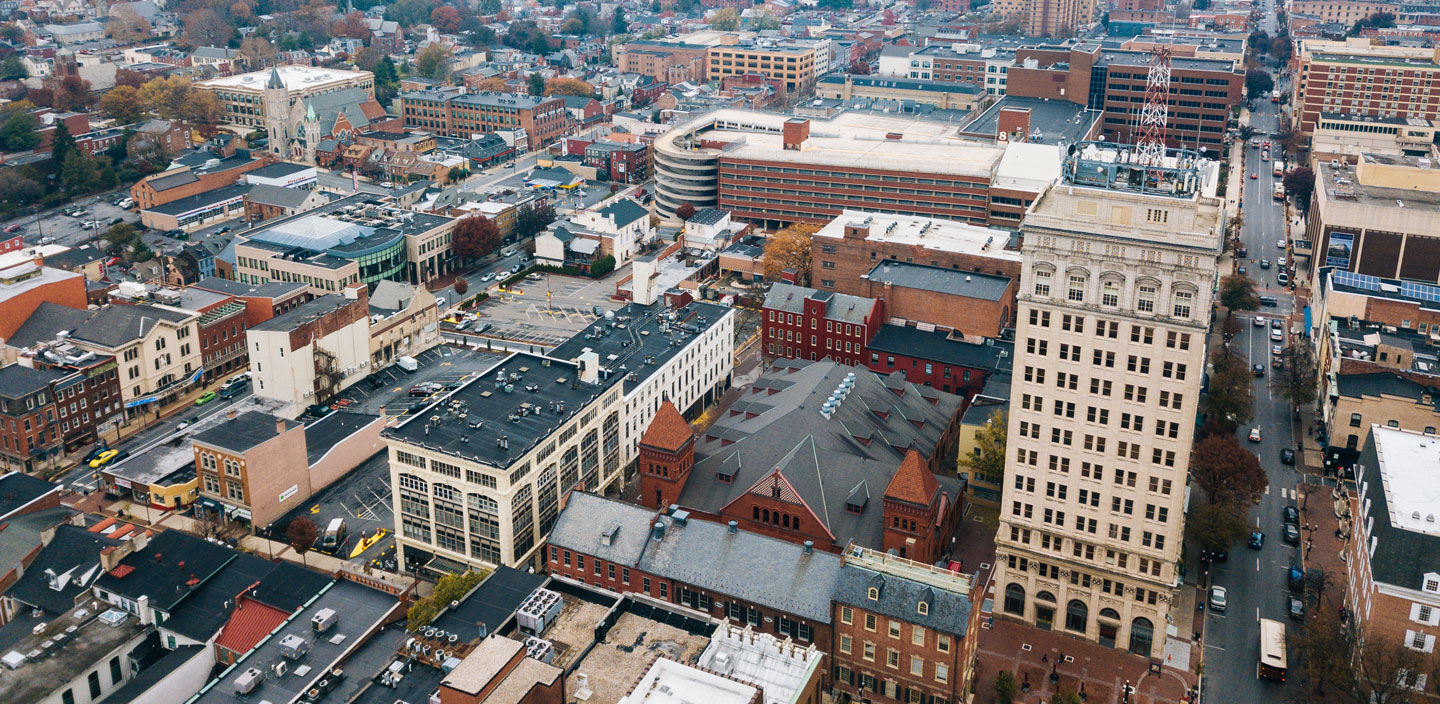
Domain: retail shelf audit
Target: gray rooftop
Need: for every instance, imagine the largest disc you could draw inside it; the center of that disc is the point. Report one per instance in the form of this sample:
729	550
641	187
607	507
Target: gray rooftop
841	307
948	612
1051	121
246	432
328	432
940	346
87	647
200	200
18	381
486	402
277	196
985	287
313	309
744	565
273	289
49	318
117	325
627	346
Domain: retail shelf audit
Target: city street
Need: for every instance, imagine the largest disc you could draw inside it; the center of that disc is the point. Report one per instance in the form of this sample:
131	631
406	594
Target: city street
1256	580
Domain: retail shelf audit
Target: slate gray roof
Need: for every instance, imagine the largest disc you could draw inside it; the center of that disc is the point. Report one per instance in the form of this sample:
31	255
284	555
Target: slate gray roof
938	346
986	287
328	432
73	556
329	106
278	169
1378	383
625	211
744	565
824	461
155	570
247	431
1401	557
116	325
587	517
18	381
272	289
48	319
949	612
842	307
314	308
165	183
267	194
708	216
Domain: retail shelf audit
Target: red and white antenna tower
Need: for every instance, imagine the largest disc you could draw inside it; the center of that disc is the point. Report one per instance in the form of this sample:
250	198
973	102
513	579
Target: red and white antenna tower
1150	148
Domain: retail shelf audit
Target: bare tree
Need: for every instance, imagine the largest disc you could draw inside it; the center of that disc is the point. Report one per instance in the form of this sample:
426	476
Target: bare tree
1345	665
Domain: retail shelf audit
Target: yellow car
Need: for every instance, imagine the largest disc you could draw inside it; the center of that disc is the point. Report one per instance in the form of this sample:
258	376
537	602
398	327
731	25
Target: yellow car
103	459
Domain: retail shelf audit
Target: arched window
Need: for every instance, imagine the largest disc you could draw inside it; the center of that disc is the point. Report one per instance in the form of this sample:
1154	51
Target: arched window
755	513
785	520
765	515
1015	599
1077	616
1142	636
1045	596
1184	302
1110	289
1075	286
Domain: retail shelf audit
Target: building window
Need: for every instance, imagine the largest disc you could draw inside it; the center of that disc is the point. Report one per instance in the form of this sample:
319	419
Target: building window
1042	283
873	594
1183	301
922	608
1146	302
1076	290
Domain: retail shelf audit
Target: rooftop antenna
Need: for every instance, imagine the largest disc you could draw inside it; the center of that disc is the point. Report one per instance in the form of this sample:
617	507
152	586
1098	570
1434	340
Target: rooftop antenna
1150	149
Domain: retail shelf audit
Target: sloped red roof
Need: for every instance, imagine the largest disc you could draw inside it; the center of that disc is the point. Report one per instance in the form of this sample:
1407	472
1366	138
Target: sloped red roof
913	481
249	623
668	430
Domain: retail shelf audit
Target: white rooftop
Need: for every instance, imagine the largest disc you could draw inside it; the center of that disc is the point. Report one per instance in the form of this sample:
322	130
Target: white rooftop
930	233
1027	166
30	253
294	78
780	668
1408	464
669	682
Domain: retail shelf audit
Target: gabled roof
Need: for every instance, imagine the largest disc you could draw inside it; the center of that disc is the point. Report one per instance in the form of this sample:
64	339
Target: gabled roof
900	598
624	211
166	569
249	623
668	430
329	106
116	325
64	569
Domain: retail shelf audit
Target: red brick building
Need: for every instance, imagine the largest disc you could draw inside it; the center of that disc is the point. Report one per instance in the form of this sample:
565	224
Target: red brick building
221	331
24	287
87	398
450	112
803	323
29	427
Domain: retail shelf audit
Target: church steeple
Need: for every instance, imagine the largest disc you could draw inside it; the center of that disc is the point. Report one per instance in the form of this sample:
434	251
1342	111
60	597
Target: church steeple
275	81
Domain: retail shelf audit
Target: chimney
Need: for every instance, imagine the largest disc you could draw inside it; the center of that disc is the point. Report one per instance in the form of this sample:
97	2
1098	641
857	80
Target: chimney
809	546
734	527
230	414
1013	124
659	533
279	426
796	131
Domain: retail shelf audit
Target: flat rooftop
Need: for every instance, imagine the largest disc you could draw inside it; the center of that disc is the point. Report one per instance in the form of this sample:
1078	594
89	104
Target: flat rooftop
1342	187
1408	463
927	233
953	282
53	656
346	226
643	345
546	390
294	78
850	139
670	682
361	610
1051	121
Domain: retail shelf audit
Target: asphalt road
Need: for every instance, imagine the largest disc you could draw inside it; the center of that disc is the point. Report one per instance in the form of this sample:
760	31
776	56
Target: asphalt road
1256	580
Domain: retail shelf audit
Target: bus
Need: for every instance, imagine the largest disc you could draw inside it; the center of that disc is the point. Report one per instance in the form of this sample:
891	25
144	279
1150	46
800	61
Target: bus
1279	191
1272	650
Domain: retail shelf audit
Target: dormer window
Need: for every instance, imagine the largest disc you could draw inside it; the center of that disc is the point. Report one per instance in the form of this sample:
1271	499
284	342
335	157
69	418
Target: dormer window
923	609
874	594
1432	582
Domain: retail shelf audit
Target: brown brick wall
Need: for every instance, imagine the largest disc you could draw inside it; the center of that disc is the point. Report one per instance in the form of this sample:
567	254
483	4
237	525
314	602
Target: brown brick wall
929	651
970	316
855	257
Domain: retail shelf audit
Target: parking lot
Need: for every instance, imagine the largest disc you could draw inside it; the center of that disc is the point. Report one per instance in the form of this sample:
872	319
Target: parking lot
70	231
390	387
548	311
362	499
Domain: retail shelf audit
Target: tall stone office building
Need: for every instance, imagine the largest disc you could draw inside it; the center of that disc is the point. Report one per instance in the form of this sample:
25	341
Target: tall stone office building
1119	269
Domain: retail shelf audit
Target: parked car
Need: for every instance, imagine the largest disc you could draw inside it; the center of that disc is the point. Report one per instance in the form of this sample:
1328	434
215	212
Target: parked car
116	220
1254	435
1257	540
1287	456
1259	321
1276	350
1295	609
1217	598
535	276
1277	335
1276	324
1282	278
205	398
317	410
1291	515
1241	271
1291	534
488	276
13	228
1295	578
1280	244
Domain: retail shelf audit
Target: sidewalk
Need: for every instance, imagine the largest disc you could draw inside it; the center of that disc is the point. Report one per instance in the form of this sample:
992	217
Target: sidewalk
1322	548
70	460
1031	654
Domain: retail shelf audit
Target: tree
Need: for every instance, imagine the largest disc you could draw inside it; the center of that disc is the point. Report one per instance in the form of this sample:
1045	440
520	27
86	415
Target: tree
18	133
352	25
446	19
573	26
1216	528
462	286
602	266
18	187
1227	402
72	94
790	249
126	25
301	534
78	173
568	86
1229	474
204	110
725	19
988	460
385	72
12	33
257	51
166	97
1004	687
474	237
1354	667
207	28
685	211
12	69
536	84
1258	82
123	104
411	12
497	84
433	62
1296	381
1300	183
1237	292
765	20
121	236
62	143
1067	697
618	23
530	220
450	588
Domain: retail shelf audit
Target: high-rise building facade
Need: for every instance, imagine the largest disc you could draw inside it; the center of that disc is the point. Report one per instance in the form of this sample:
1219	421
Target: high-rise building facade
1109	355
